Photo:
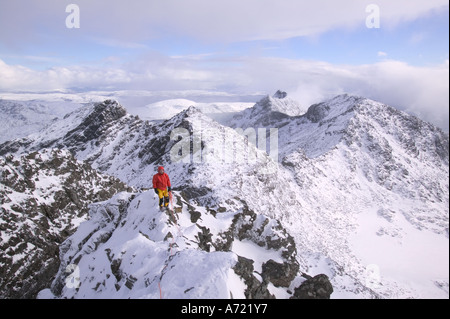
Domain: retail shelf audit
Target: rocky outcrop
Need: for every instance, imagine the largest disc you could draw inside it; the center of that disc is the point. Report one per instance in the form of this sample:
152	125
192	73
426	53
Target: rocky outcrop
280	94
266	233
270	111
44	196
317	287
345	157
271	235
255	288
131	249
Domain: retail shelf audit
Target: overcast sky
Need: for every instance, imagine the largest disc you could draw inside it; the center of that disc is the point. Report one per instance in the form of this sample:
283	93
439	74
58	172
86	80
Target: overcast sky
393	51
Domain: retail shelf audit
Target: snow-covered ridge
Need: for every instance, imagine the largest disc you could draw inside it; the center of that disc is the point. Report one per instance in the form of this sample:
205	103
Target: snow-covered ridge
21	118
280	102
26	113
343	163
130	249
270	111
166	109
44	197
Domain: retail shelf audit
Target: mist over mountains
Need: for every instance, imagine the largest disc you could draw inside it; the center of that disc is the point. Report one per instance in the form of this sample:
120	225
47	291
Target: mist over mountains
357	188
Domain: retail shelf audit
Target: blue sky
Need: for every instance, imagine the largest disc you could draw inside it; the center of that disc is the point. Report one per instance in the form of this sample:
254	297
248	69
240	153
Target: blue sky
311	49
422	41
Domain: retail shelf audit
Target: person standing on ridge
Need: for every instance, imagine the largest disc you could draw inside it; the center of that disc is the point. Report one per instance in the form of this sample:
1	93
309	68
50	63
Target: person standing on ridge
162	187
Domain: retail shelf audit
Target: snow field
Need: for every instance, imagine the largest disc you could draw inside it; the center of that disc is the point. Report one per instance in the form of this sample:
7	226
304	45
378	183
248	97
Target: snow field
141	253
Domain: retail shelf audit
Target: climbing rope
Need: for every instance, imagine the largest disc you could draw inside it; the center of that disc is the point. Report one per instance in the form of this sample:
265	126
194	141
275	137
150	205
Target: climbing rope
171	211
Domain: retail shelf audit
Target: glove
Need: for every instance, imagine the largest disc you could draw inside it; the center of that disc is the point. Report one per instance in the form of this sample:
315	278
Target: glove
156	191
169	188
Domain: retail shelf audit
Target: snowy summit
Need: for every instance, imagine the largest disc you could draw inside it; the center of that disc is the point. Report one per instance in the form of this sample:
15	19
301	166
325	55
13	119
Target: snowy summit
346	199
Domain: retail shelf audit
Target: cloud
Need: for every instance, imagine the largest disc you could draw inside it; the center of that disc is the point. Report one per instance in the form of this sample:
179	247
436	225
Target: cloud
218	21
19	78
423	91
108	28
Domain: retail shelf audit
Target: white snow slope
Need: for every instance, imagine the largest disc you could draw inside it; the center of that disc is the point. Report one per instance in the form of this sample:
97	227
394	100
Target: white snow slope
130	249
21	118
362	187
44	196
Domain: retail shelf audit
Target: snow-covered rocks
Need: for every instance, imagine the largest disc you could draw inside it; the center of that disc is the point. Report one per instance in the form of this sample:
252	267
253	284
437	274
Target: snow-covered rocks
130	249
355	181
44	197
270	111
21	118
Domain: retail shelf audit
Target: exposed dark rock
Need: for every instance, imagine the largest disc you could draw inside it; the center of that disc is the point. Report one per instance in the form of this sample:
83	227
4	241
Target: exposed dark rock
280	275
318	287
36	226
244	227
255	288
204	238
317	112
195	215
280	94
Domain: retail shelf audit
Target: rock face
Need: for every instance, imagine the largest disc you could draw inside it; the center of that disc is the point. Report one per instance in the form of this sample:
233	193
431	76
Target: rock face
44	196
280	94
317	287
269	234
270	111
130	249
255	289
348	174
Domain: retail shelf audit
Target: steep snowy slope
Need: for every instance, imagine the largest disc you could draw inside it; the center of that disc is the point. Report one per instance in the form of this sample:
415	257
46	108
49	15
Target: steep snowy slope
271	111
130	249
73	131
21	118
163	110
352	179
44	197
110	139
128	148
345	162
358	160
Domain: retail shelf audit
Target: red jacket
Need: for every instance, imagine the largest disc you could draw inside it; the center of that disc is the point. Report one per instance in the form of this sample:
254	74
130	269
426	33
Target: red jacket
161	181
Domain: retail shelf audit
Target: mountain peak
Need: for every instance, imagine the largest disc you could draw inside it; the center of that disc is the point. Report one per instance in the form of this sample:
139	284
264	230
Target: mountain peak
335	106
103	115
375	176
281	103
191	110
184	117
109	109
279	94
268	111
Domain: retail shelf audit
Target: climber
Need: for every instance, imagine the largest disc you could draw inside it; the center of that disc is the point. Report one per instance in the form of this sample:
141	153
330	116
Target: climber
162	187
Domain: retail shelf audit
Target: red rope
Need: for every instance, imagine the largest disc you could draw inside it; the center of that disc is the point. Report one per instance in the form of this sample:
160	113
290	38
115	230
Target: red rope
171	200
173	239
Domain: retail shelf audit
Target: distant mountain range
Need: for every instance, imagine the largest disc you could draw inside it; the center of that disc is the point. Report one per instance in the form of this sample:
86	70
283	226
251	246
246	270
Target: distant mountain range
360	187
